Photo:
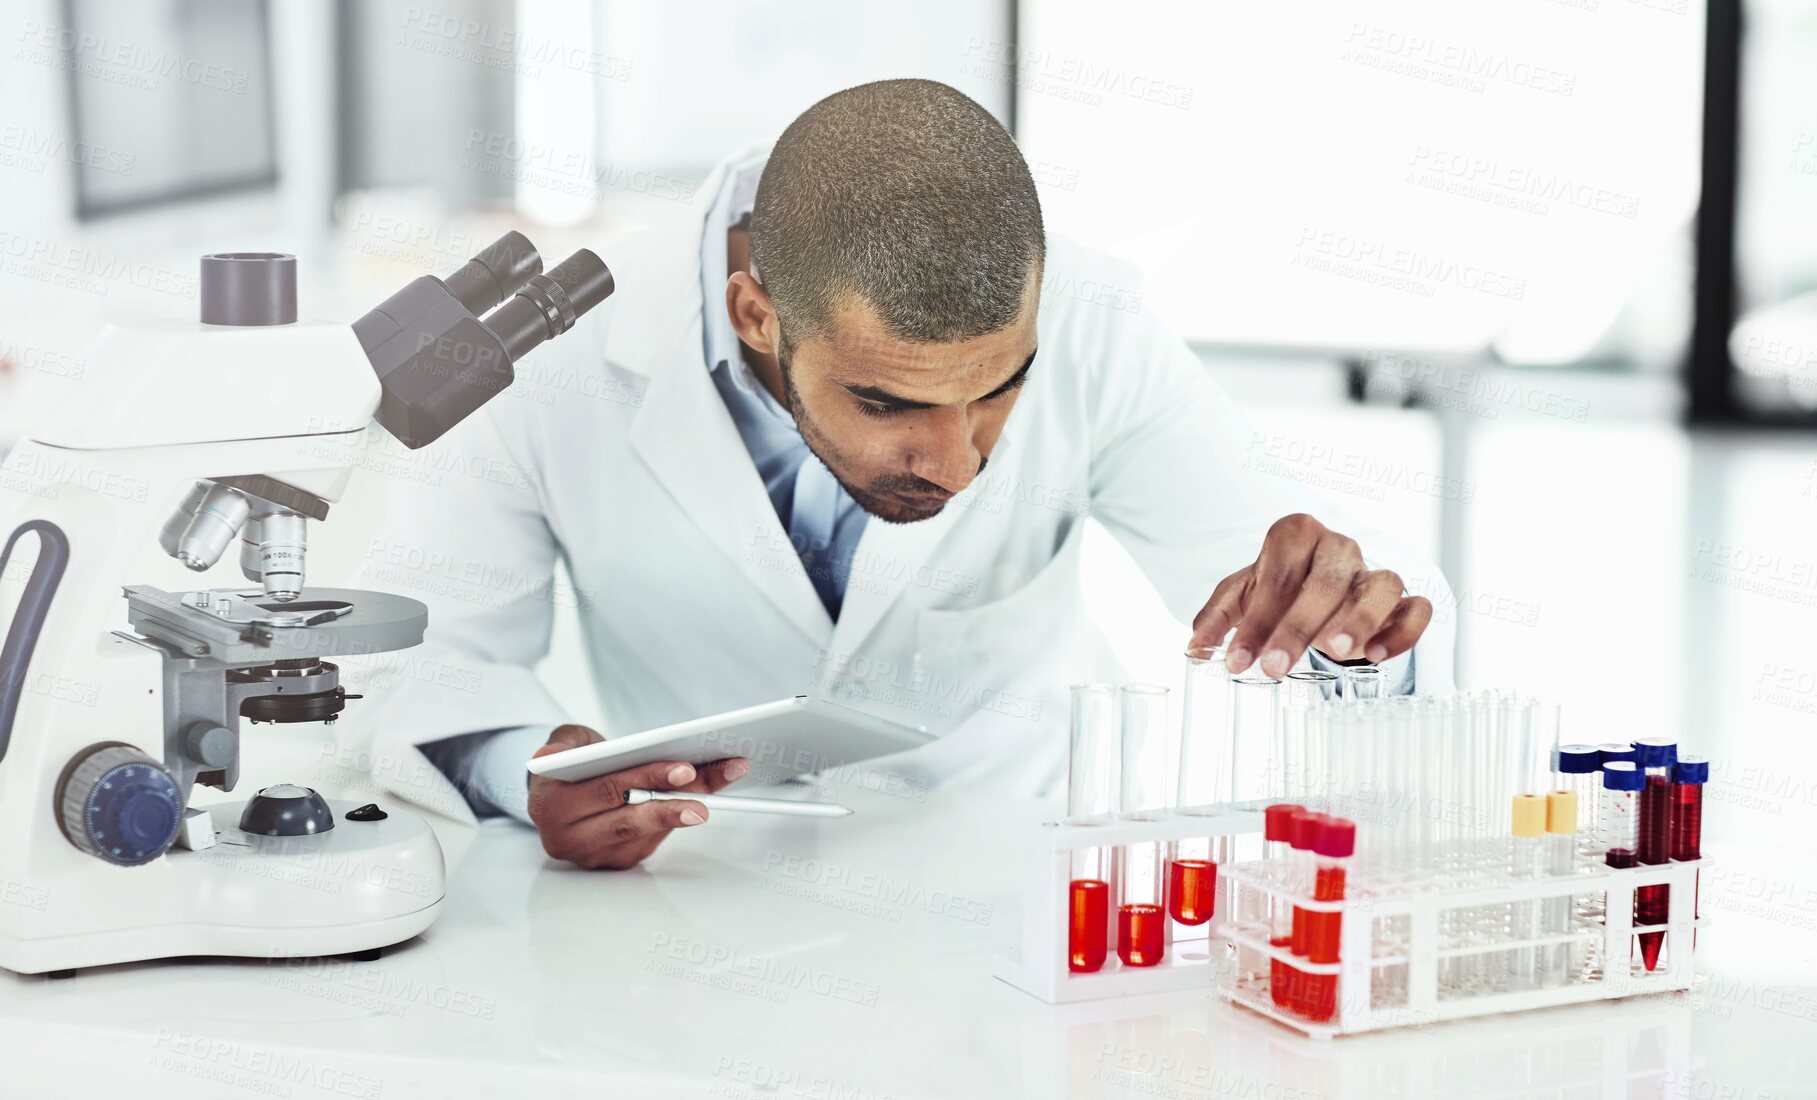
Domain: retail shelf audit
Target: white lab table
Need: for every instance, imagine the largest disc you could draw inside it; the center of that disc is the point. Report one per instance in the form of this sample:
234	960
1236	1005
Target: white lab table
758	957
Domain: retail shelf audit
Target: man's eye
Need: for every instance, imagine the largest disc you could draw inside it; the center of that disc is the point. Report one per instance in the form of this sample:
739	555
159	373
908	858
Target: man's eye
1015	384
881	412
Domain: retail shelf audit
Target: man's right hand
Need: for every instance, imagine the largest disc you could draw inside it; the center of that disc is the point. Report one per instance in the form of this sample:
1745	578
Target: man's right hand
587	821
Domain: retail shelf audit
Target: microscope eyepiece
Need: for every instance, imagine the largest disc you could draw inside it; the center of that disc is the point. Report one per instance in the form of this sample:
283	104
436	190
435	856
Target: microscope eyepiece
495	273
549	304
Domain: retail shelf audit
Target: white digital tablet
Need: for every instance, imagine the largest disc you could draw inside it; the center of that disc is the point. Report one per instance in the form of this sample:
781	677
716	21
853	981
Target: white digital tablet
782	740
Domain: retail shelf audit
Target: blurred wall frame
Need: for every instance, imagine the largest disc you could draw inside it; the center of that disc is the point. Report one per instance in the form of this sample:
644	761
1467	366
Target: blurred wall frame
1753	360
169	101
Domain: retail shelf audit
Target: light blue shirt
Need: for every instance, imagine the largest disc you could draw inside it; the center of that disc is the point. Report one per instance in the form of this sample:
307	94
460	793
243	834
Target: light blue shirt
823	521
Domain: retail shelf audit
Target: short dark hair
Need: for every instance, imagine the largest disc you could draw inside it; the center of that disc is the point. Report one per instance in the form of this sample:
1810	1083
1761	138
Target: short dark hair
908	195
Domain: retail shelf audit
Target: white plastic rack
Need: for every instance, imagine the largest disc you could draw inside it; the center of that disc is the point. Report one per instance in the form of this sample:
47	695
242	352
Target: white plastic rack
1436	944
1415	948
1037	965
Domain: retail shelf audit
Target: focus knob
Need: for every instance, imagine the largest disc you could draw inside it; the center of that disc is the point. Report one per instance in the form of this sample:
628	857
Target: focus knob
119	804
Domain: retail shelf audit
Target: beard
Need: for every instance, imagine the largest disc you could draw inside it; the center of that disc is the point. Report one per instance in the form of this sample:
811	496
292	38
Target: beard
880	498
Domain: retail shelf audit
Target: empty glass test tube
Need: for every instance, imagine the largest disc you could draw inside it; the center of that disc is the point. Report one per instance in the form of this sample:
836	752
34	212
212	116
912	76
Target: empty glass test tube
1527	863
1300	765
1364	682
1255	775
1560	962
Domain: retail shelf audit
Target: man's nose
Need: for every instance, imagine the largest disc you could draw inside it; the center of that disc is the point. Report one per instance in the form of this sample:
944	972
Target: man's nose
947	456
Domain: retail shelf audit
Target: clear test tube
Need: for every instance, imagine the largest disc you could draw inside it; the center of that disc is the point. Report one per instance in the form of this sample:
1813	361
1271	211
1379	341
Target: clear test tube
1254	774
1091	798
1527	862
1529	752
1092	757
1142	773
1203	783
1364	682
1560	962
1622	783
1141	913
1254	777
1578	769
1546	738
1301	691
1205	738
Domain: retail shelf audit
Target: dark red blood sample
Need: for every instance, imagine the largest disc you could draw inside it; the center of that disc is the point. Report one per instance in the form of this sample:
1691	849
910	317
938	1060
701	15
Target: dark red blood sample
1192	886
1650	902
1620	857
1687	835
1088	925
1139	929
1687	821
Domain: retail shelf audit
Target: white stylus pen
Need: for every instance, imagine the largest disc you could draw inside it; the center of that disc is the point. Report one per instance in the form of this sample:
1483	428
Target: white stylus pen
734	804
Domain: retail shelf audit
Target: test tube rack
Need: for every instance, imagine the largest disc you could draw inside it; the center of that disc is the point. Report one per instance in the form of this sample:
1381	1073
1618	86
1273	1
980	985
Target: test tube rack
1038	963
1393	979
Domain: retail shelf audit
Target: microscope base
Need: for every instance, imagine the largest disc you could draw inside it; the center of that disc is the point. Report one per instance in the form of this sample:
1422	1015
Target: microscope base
360	886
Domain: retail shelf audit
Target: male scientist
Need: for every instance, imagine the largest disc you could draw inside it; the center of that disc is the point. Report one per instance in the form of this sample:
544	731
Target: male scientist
839	433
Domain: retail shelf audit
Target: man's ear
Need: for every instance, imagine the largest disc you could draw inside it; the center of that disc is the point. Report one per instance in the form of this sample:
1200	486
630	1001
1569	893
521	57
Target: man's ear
753	314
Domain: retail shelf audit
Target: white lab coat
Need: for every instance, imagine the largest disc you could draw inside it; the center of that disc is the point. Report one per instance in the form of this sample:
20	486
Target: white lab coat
615	453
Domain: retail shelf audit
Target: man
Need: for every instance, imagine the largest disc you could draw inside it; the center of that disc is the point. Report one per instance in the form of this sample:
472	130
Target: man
838	434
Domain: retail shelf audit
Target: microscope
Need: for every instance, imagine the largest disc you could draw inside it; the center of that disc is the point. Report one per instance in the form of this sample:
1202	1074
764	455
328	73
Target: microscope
224	437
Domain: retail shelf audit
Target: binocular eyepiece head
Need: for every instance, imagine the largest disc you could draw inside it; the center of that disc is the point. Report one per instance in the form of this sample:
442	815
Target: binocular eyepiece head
443	347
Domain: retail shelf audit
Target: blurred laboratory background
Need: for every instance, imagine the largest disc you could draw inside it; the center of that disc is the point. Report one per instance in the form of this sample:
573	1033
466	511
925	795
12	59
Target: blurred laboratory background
1533	284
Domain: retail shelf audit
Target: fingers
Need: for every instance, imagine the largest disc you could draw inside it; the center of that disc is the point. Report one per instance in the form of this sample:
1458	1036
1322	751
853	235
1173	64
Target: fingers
1409	621
1330	580
1222	611
623	837
720	773
558	802
1280	573
1372	600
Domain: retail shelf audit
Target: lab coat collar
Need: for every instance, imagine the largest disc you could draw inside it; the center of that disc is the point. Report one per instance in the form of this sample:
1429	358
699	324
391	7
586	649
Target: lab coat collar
686	436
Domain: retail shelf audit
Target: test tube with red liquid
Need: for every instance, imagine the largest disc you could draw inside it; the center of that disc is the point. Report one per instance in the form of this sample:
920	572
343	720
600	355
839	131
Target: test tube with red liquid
1619	818
1091	795
1302	825
1203	786
1277	821
1656	756
1088	924
1141	908
1688	778
1333	843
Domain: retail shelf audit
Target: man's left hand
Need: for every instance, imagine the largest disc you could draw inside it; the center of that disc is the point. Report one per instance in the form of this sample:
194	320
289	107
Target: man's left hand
1310	587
